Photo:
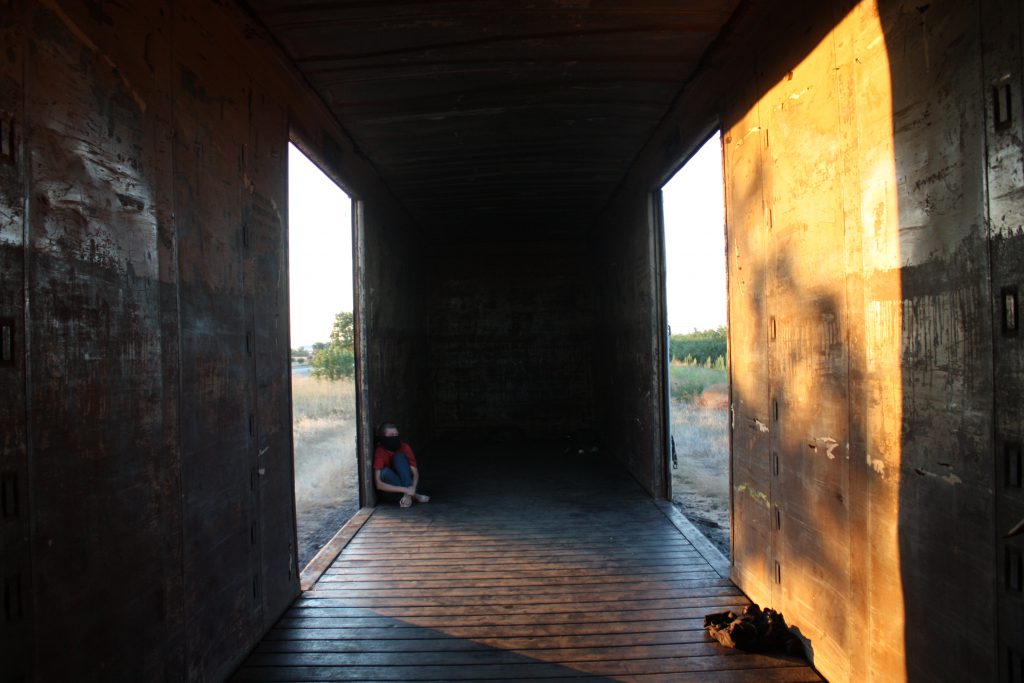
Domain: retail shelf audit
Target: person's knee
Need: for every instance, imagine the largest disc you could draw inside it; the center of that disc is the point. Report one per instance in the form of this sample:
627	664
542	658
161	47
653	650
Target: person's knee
389	476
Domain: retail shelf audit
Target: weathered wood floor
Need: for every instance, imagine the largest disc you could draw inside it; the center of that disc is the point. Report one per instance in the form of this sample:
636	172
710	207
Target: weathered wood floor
515	573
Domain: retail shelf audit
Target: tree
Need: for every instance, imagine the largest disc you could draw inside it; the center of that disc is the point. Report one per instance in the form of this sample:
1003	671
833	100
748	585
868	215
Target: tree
343	333
336	359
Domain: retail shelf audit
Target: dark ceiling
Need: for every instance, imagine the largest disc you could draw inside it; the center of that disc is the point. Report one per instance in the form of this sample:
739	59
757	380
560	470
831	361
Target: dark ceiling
498	115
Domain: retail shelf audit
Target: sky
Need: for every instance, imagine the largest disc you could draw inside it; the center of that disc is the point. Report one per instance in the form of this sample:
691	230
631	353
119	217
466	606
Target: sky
694	207
319	250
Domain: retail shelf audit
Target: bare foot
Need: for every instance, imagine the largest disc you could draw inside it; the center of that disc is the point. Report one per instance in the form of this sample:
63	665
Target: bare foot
406	501
420	498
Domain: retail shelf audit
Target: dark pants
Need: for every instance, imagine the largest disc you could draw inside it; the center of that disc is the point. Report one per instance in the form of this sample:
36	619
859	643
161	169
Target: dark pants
399	474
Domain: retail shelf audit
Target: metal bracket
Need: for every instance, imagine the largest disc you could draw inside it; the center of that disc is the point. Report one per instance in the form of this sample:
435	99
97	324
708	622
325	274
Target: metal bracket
1002	103
6	341
1011	311
1012	457
1014	569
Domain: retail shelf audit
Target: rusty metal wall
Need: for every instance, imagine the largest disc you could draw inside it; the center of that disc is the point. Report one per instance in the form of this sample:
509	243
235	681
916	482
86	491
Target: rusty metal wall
860	317
511	340
396	333
873	192
148	514
15	532
631	335
1003	83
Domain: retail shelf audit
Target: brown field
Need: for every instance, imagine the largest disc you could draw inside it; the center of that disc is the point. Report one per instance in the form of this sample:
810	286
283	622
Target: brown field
326	477
700	485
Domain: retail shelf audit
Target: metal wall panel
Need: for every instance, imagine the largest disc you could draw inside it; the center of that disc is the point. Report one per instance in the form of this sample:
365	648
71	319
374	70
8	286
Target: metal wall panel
223	596
946	476
802	186
627	367
510	340
98	351
743	146
15	559
264	222
1003	87
874	292
146	430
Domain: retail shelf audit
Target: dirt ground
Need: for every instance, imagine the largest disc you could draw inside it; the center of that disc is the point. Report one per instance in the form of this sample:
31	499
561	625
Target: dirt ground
326	482
700	484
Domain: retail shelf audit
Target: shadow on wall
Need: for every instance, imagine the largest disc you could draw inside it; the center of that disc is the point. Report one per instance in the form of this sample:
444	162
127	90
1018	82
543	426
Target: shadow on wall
861	316
948	516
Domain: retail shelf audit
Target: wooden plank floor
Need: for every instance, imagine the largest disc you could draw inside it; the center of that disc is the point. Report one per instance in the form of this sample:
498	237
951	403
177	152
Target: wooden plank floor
517	570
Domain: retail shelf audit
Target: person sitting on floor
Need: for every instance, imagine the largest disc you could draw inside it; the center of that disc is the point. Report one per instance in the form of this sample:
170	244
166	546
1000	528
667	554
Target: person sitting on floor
395	473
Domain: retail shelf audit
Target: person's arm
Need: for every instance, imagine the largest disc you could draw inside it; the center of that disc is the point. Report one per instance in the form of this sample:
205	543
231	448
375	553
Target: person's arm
384	486
415	479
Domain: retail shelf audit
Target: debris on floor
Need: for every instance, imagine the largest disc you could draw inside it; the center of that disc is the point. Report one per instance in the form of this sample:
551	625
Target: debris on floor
756	629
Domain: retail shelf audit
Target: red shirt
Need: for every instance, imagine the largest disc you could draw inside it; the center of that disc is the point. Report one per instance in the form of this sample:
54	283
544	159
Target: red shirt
382	457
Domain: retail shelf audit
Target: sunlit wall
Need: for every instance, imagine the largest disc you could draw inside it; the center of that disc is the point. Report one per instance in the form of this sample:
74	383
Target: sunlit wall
860	333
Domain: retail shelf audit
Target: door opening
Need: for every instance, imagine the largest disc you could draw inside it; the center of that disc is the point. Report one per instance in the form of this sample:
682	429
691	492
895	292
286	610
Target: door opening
693	208
323	354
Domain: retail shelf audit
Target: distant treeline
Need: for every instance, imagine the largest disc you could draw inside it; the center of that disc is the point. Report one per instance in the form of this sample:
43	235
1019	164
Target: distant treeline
699	346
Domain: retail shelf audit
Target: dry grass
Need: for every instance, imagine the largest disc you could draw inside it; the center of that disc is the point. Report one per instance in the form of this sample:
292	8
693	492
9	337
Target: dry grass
324	432
700	486
688	381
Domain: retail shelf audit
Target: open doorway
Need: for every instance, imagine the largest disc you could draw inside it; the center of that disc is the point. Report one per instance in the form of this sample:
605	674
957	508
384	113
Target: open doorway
696	306
322	354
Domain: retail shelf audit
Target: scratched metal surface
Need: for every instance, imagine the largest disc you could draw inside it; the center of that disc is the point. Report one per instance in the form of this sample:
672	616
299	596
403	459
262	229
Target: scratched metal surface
158	475
15	529
1004	173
